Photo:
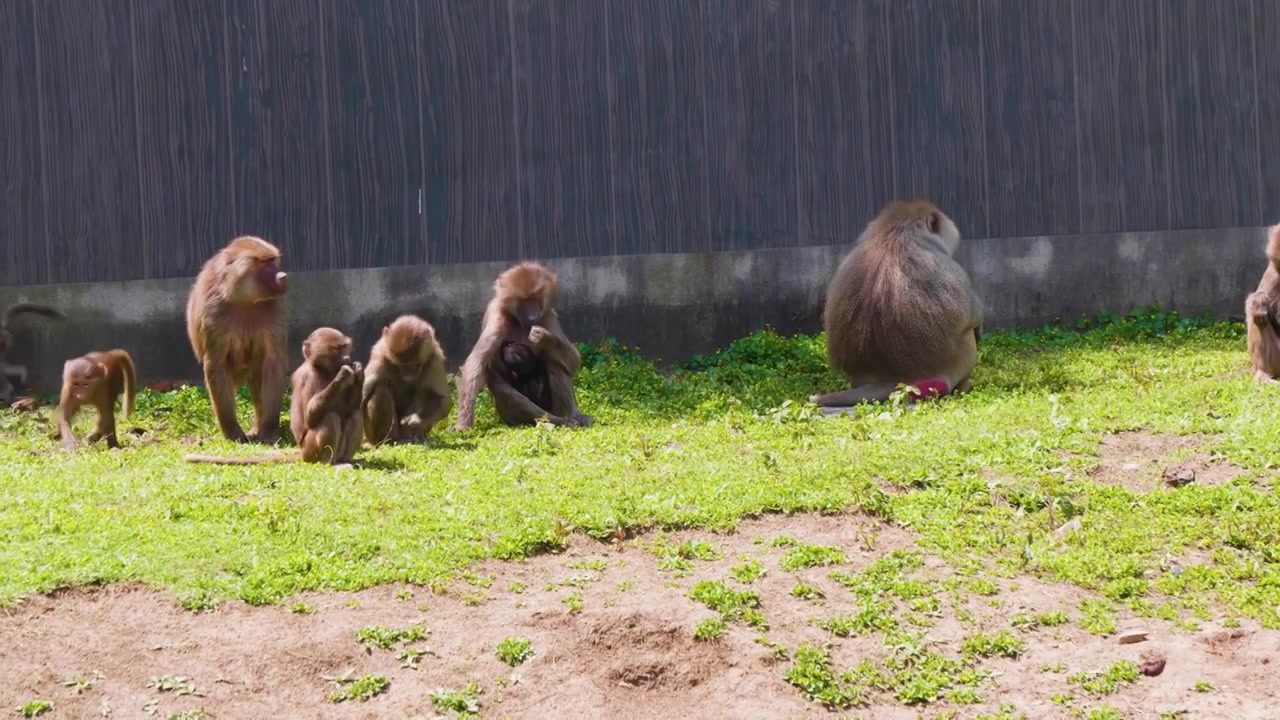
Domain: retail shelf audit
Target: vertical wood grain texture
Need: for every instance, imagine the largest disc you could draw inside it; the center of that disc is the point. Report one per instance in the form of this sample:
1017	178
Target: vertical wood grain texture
22	209
751	123
90	140
561	59
139	137
471	198
658	108
1212	113
1124	171
1267	89
939	128
1032	168
845	117
282	149
184	161
374	114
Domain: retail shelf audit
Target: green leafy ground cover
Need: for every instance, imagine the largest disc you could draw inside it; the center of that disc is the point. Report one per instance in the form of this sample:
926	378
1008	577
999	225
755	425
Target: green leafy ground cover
981	480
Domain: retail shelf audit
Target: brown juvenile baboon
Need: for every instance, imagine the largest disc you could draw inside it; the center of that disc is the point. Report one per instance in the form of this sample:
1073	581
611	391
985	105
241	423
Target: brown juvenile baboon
1260	310
406	387
324	411
900	310
237	321
9	372
96	379
523	309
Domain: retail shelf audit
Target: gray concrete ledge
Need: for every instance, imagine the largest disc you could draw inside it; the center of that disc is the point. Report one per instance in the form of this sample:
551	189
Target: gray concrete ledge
669	306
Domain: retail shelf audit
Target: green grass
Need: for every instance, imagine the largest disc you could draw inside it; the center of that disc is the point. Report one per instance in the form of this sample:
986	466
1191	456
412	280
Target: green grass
982	480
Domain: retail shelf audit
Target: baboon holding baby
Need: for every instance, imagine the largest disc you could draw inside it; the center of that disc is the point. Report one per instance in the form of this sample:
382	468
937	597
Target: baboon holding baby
238	323
1260	309
901	310
523	310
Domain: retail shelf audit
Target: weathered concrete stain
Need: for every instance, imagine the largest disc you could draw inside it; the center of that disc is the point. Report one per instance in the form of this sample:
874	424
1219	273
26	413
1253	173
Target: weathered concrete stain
669	306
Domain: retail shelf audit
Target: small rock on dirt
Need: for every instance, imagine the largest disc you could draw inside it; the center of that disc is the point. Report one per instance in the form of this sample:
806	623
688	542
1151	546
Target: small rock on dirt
1152	665
1179	476
1132	636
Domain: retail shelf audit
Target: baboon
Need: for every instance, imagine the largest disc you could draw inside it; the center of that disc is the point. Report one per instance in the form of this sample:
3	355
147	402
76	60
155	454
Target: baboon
324	411
523	309
9	372
406	387
1260	310
526	372
237	321
899	309
96	379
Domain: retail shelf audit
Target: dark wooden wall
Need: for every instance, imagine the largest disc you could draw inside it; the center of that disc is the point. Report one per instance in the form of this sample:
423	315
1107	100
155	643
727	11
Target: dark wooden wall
138	136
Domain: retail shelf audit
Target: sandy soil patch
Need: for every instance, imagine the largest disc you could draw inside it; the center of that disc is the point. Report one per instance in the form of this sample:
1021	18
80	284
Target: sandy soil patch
628	652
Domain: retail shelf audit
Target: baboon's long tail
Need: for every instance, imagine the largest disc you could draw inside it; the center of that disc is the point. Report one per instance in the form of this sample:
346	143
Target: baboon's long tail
130	382
17	309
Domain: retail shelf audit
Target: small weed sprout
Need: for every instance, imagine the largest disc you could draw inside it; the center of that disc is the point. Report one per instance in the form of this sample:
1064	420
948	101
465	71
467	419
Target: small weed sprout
574	602
34	708
1002	644
410	657
1122	672
748	572
515	650
812	674
81	684
361	689
386	638
710	629
465	702
804	591
1046	619
807	556
175	684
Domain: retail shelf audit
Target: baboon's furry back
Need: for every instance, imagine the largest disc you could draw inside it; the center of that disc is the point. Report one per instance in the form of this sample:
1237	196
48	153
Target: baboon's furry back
898	302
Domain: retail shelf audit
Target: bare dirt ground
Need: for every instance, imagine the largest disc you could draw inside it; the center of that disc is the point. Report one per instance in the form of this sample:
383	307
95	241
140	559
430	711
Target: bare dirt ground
1143	461
628	653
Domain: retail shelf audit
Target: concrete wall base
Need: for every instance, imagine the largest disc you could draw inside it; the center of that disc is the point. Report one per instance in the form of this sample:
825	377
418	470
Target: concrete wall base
669	306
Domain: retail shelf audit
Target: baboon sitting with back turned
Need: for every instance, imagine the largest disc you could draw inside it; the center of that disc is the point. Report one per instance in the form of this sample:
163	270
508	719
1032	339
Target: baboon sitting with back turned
1260	310
900	310
238	323
523	310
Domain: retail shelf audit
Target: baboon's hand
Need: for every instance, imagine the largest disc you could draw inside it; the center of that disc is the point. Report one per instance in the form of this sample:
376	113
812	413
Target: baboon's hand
1258	308
538	335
